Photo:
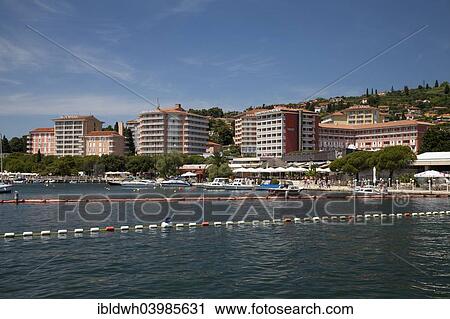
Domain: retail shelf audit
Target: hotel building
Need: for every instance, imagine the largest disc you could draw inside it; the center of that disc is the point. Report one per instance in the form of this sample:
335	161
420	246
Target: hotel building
245	132
283	130
70	131
372	137
356	115
166	130
104	143
42	140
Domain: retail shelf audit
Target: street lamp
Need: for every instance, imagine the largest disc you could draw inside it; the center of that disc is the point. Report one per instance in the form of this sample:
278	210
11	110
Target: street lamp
396	181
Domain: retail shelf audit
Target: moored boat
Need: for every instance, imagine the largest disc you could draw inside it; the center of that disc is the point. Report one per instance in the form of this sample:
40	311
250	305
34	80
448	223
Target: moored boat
368	191
175	183
5	188
218	183
137	183
239	184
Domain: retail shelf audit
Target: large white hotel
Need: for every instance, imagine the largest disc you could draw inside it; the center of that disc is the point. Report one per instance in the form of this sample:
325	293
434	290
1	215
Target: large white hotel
275	132
166	130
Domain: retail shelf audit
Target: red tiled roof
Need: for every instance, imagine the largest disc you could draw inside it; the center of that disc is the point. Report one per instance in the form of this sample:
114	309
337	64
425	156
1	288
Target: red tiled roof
103	133
376	125
43	129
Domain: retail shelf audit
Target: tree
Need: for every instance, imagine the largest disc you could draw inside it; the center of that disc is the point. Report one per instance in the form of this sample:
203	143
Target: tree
436	139
221	132
436	84
406	90
446	89
116	127
5	145
167	165
427	87
371	92
394	158
18	144
367	92
129	141
392	89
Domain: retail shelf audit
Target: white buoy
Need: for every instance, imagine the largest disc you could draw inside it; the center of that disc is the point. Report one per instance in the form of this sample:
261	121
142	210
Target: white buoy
384	215
9	235
414	214
277	221
45	233
343	218
229	223
307	219
367	216
421	214
62	232
166	225
255	222
399	215
138	227
392	215
325	218
192	225
241	222
217	224
266	222
27	233
376	216
94	230
152	226
316	219
78	230
429	213
441	213
334	218
124	228
359	217
179	225
297	220
447	212
435	213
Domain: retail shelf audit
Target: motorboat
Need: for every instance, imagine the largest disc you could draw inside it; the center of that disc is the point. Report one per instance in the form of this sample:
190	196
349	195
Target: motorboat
267	185
218	183
287	189
5	188
137	183
368	190
175	183
239	184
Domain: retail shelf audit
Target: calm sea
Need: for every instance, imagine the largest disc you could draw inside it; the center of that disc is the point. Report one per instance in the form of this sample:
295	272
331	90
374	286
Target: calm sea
409	258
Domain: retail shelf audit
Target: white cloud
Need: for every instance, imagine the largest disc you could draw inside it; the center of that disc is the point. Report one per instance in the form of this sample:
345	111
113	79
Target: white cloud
185	7
10	81
53	6
99	105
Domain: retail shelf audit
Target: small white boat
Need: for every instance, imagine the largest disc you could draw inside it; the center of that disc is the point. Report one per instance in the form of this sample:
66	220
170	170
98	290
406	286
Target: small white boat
287	189
175	183
368	190
217	183
137	183
5	188
239	184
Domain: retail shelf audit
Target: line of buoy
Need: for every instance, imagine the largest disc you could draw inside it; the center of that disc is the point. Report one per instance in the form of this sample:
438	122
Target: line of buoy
296	220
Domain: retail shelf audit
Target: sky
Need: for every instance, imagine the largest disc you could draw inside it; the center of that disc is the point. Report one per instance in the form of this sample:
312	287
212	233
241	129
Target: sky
114	59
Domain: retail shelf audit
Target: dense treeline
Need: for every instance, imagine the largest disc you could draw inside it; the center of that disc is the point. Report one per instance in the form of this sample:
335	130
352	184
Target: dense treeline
436	139
391	159
161	165
155	166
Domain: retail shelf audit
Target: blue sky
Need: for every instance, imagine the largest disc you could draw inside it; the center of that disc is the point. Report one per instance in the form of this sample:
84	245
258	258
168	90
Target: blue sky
204	53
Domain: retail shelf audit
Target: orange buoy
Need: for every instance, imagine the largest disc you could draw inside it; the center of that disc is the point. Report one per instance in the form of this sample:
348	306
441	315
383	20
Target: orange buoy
109	228
205	224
